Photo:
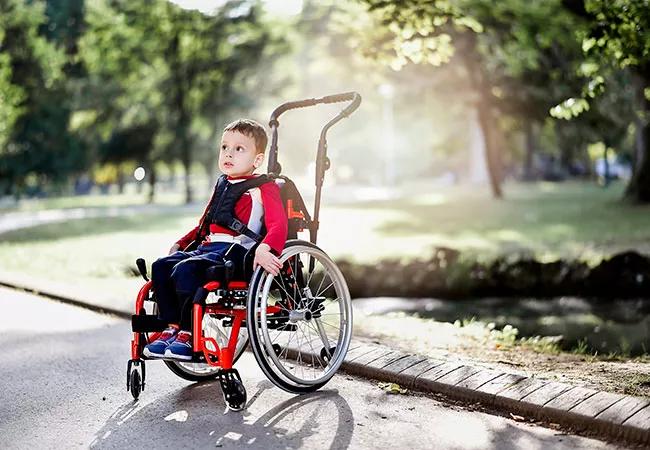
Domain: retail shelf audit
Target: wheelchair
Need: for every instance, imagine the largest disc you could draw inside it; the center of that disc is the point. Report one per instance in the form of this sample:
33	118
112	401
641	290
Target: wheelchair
299	323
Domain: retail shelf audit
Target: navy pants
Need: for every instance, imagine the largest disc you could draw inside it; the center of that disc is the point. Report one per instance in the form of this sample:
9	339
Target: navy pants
176	278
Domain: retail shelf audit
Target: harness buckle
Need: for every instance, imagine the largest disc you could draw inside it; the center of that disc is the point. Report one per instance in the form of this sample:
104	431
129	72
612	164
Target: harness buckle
237	225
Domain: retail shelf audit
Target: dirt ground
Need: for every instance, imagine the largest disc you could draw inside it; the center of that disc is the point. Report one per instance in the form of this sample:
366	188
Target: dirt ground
478	344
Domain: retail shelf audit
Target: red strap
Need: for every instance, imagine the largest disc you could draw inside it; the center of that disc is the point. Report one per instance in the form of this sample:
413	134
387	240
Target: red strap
212	285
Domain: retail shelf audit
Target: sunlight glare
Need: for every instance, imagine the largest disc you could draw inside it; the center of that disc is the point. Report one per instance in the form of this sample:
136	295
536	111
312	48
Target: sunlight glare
283	7
274	7
178	416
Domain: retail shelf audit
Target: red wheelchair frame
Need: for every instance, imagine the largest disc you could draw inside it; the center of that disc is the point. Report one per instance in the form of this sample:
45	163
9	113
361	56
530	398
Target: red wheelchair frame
219	357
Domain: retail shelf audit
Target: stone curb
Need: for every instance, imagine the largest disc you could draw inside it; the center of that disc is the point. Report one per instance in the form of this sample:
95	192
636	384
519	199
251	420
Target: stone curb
603	413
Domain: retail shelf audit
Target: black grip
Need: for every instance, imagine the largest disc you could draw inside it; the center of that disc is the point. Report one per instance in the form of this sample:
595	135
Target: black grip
337	98
142	268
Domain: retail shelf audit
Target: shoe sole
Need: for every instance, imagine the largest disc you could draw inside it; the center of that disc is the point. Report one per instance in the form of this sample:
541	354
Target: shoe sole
149	354
172	356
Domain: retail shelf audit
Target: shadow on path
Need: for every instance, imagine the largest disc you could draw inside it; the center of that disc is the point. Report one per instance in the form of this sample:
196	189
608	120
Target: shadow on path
196	417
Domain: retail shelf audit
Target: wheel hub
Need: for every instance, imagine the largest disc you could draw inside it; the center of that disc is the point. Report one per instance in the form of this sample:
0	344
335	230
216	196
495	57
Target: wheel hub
298	315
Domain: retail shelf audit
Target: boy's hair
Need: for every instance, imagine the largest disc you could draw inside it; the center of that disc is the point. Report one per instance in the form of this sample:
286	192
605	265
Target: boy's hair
252	129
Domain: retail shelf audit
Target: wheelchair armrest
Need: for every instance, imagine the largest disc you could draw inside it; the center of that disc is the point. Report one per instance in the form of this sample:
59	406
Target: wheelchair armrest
226	271
215	272
247	264
221	271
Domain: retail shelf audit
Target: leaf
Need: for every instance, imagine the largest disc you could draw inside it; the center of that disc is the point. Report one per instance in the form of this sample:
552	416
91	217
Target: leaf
392	388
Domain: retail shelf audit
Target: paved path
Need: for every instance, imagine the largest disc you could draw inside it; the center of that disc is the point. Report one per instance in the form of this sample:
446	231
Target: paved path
24	219
63	378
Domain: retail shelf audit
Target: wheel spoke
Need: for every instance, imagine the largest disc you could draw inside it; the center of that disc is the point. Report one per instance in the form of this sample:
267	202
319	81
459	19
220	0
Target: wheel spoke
328	286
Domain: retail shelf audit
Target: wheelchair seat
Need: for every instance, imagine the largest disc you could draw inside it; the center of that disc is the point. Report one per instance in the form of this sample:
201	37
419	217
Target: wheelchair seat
231	274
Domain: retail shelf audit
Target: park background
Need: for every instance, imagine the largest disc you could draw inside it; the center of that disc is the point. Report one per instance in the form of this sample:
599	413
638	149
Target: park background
489	198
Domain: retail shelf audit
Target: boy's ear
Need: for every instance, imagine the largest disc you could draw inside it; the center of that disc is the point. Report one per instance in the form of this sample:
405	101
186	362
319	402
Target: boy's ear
259	159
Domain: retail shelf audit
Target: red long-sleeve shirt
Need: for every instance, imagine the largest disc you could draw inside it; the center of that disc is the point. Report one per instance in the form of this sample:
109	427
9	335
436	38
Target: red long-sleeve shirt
275	218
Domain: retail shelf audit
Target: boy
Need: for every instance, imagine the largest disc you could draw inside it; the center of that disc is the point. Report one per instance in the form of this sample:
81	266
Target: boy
177	276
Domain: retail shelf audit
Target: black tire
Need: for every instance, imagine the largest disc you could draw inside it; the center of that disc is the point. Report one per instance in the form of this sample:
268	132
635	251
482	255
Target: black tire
178	369
136	383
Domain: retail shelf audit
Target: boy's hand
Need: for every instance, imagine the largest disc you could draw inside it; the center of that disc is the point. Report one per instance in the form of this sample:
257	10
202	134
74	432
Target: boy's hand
266	259
174	248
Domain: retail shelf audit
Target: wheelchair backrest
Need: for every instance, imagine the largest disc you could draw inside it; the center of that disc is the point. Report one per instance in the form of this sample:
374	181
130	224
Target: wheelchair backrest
297	215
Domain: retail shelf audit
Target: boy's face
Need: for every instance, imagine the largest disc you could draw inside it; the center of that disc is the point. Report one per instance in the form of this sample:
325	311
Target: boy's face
238	155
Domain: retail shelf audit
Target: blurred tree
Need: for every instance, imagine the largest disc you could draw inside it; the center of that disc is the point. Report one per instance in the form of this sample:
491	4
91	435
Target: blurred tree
520	58
532	60
422	32
132	144
184	74
509	52
64	26
35	143
619	32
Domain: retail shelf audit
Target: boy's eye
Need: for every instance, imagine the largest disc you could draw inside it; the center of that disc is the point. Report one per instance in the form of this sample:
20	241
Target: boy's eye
240	148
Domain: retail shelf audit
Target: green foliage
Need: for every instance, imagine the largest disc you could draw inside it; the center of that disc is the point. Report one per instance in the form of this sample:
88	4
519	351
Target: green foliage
168	69
11	98
85	82
571	107
620	31
34	142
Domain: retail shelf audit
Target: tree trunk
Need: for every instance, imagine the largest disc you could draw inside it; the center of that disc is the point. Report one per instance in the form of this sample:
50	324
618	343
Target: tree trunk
211	165
187	163
565	146
586	161
488	126
606	175
530	151
183	118
475	69
638	189
152	183
120	180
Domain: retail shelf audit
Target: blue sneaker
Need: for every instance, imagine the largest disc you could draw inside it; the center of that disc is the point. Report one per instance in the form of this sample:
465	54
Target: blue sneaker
181	348
157	348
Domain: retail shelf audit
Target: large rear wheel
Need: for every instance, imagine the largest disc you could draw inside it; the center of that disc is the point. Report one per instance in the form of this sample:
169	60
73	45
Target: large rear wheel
300	322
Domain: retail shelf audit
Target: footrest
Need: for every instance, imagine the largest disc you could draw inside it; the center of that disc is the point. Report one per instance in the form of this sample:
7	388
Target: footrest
144	323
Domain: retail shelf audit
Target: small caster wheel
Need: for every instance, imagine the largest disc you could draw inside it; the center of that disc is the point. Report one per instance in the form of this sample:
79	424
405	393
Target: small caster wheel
236	397
277	349
136	383
234	392
324	356
135	378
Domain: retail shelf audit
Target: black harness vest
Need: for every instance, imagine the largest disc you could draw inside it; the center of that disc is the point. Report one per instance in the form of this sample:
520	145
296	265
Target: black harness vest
222	206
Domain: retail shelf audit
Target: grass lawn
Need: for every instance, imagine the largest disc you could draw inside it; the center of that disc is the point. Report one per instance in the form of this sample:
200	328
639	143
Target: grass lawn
549	220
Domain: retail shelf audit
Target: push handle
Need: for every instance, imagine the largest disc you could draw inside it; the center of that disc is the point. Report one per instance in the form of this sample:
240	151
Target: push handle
336	98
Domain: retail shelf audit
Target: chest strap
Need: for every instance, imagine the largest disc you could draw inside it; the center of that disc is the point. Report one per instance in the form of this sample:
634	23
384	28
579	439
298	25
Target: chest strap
222	209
